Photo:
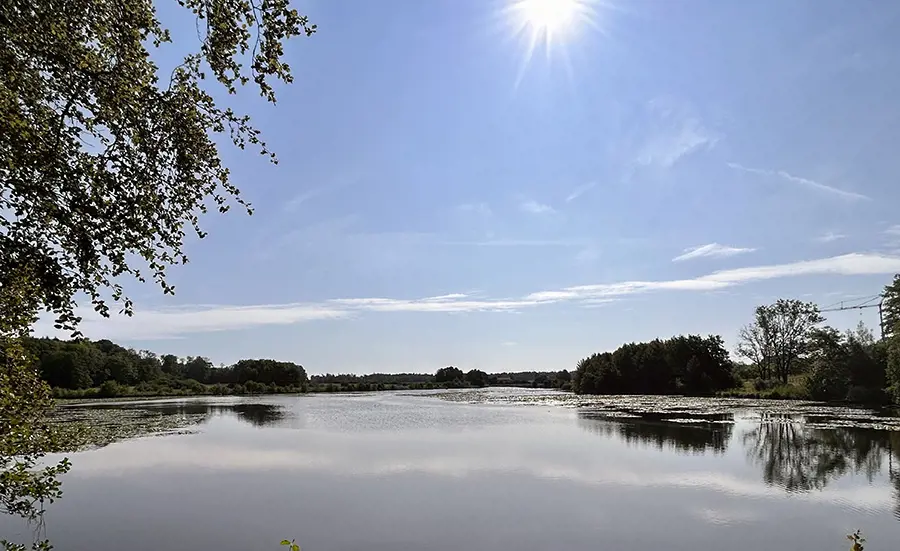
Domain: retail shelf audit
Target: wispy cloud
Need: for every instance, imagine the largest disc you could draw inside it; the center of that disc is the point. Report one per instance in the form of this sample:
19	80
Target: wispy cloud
674	132
805	182
297	201
533	207
848	264
307	195
580	190
830	237
169	323
711	250
175	322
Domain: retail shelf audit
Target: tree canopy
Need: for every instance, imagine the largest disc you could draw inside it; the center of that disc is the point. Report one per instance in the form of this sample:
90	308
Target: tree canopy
82	364
107	160
891	308
778	336
680	365
449	374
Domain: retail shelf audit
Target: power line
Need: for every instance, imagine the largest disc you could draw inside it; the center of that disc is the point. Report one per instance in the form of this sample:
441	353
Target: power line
865	304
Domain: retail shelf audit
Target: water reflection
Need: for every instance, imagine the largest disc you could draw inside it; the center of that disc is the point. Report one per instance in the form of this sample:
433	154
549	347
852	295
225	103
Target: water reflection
799	458
99	424
794	452
693	433
258	415
254	413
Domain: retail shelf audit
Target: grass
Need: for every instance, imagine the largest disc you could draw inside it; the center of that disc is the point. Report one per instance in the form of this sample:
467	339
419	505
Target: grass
795	389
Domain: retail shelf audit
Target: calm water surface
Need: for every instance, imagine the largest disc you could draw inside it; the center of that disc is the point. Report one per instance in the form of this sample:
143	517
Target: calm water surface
487	470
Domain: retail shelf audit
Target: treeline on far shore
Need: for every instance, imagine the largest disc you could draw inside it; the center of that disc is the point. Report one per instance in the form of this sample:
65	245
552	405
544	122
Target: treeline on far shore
786	352
102	369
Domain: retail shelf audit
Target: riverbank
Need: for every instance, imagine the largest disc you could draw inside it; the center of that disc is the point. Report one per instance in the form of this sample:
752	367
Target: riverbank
193	388
793	390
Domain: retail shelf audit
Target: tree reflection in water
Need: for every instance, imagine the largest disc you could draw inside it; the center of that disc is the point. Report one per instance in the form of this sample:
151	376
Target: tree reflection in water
800	458
256	414
682	432
795	452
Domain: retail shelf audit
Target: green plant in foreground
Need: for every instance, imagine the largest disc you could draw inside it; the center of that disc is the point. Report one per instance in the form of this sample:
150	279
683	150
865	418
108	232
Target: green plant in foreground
294	547
858	541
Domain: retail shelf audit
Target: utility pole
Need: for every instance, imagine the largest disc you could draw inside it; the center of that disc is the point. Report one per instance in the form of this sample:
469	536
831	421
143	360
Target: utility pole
879	305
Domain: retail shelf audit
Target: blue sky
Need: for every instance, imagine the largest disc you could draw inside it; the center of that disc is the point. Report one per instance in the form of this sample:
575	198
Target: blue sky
662	169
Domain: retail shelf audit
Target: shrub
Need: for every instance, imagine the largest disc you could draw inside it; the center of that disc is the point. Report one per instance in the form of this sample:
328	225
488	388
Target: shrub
109	389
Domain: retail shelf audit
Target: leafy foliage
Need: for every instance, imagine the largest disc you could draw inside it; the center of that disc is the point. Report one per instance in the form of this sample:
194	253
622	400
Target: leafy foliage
85	364
104	159
476	377
891	308
856	540
680	365
778	337
449	375
25	434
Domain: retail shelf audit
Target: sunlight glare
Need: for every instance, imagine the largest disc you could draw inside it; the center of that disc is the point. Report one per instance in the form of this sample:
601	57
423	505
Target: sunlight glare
549	23
549	16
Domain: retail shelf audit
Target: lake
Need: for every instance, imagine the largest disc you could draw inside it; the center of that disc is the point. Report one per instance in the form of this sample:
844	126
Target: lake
493	469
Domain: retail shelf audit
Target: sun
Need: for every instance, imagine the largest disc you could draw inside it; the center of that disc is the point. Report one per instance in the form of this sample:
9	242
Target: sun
549	23
549	17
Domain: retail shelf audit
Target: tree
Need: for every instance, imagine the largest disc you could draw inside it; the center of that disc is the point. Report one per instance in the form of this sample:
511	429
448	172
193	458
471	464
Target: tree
104	160
171	365
198	368
893	368
476	377
829	374
891	308
688	364
25	483
756	343
449	375
778	337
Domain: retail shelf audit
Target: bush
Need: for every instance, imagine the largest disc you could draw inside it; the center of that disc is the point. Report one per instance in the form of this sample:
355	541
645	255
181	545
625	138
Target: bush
762	384
109	389
788	392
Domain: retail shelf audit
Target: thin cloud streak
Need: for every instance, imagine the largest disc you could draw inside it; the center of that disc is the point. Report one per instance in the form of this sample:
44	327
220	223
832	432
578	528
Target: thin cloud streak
172	323
812	184
713	250
580	190
674	132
